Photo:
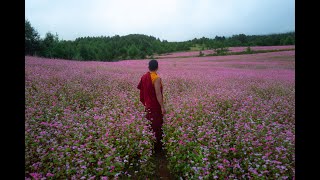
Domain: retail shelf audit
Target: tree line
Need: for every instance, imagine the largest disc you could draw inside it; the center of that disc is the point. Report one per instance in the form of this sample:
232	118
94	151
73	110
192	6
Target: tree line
135	46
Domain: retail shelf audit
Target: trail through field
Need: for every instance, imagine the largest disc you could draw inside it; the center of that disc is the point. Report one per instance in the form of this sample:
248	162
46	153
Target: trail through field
162	171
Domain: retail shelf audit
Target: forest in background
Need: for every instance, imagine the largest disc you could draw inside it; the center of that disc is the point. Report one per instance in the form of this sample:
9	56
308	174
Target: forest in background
136	46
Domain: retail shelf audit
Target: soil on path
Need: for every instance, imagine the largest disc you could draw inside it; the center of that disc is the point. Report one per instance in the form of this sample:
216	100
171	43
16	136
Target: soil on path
161	170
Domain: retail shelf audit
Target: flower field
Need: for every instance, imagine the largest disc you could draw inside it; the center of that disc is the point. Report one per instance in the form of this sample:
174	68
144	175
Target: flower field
231	49
228	117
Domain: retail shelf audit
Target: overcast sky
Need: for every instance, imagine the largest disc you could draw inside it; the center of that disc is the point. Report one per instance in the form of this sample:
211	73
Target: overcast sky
172	20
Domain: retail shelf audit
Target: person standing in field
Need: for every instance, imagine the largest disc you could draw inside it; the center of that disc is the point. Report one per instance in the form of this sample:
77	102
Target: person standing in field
151	96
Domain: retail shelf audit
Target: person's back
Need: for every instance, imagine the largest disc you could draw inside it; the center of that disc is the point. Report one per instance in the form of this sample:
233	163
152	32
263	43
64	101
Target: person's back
151	96
148	95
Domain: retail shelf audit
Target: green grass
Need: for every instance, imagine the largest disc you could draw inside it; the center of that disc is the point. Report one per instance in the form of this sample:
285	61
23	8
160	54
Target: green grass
198	47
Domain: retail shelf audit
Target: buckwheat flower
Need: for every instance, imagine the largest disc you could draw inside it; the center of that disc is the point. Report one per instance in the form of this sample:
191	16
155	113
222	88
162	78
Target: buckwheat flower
35	175
225	161
96	117
238	166
100	162
49	175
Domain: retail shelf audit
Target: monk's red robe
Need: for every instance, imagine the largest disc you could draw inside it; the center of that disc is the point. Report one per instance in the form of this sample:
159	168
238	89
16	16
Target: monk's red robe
152	107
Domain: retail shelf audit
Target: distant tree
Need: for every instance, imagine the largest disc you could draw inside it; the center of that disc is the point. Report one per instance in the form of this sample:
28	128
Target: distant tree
242	38
259	42
143	54
123	52
133	52
77	56
219	38
32	39
59	51
268	41
48	45
107	52
84	51
149	52
289	41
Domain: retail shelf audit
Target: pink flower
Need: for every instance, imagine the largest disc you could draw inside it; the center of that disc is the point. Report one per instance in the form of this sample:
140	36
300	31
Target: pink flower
96	117
181	142
254	171
268	138
49	175
237	165
35	175
225	161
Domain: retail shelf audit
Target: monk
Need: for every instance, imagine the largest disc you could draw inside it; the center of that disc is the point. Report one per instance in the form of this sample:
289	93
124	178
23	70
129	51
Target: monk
151	96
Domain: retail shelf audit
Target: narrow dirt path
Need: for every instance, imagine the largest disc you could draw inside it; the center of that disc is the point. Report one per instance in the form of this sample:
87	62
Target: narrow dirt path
162	171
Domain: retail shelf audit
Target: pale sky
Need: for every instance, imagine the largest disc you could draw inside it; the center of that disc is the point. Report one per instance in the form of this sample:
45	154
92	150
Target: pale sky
172	20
